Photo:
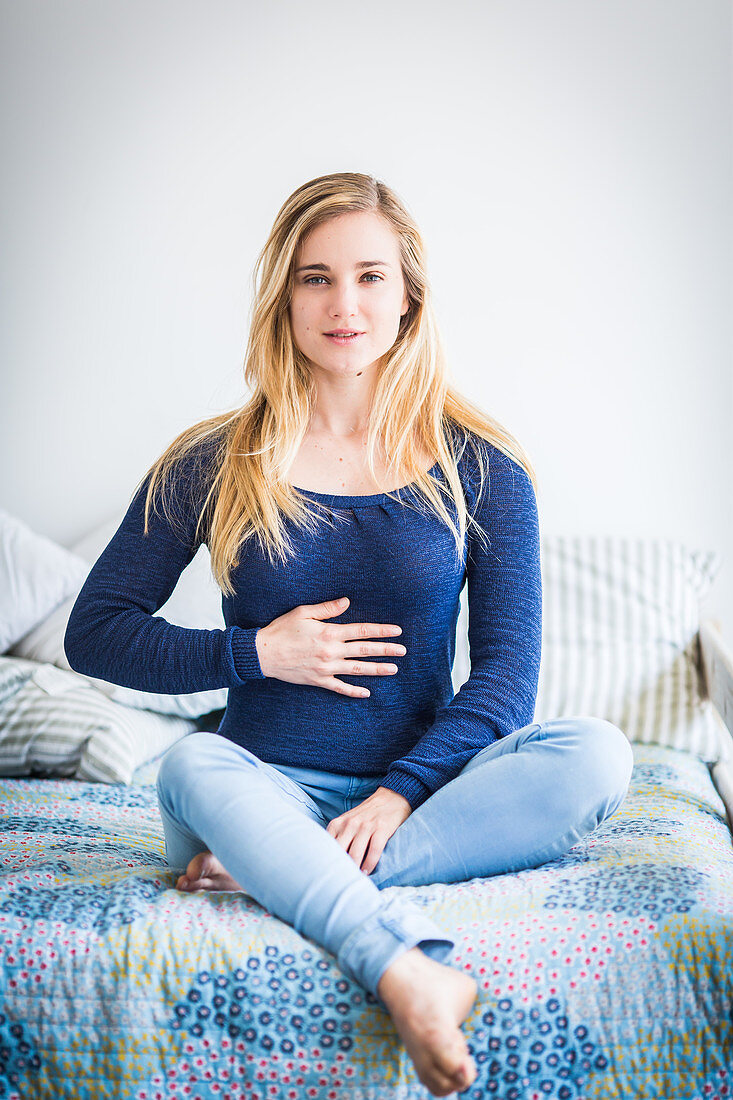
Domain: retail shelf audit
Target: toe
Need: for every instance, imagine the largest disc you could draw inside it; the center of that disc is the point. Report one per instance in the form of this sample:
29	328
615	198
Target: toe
199	865
440	1085
452	1055
465	1076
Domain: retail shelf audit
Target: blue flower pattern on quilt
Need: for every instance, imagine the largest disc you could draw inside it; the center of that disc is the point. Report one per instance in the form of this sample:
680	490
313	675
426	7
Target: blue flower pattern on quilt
639	826
644	888
18	1056
277	1003
104	794
85	906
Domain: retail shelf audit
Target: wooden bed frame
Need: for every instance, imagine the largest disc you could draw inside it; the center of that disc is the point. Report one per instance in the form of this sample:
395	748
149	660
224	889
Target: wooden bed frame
717	667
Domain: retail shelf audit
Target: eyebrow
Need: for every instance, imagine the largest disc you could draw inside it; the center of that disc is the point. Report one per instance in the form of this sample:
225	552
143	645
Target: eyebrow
325	267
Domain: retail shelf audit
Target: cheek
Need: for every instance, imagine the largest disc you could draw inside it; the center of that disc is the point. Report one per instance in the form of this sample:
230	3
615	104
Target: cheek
392	309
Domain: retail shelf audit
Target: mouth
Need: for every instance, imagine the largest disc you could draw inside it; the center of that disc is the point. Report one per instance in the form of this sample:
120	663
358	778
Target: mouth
343	336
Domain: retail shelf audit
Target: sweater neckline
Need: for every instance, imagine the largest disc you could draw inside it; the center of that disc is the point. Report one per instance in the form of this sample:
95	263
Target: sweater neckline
359	501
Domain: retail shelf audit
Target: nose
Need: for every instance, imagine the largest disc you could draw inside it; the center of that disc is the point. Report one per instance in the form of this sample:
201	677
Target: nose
342	301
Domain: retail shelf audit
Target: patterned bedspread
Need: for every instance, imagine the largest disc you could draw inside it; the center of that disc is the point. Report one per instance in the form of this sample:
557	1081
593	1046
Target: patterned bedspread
606	974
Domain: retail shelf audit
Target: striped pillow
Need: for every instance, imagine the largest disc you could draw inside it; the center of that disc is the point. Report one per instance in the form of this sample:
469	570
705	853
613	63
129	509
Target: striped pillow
619	638
53	723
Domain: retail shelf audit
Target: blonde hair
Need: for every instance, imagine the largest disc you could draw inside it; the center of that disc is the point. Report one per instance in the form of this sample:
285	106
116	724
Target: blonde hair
413	410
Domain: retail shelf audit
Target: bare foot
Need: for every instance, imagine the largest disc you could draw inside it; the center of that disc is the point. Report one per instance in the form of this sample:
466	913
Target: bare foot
206	872
428	1002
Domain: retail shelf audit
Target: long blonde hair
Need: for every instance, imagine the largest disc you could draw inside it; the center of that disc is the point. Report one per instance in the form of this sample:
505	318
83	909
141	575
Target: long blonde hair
414	407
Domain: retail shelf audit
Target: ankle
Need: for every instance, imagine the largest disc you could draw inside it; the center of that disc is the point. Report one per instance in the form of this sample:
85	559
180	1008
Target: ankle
402	971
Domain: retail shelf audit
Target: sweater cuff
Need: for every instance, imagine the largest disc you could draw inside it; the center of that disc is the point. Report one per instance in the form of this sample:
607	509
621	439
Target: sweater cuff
409	786
244	658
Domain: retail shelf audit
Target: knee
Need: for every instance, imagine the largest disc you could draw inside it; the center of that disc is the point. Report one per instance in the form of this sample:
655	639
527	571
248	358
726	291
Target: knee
607	762
183	761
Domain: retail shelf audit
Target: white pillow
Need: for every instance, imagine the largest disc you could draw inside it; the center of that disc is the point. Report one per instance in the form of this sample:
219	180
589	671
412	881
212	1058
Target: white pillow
54	723
462	660
620	638
36	575
194	602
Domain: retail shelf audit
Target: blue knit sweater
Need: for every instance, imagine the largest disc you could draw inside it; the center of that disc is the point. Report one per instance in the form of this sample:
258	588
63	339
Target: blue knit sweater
397	565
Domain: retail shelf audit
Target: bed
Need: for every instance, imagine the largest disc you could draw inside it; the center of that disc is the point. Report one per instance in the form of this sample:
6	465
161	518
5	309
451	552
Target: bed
607	973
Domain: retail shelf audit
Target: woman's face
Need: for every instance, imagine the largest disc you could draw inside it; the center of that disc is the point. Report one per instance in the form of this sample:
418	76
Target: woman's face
348	276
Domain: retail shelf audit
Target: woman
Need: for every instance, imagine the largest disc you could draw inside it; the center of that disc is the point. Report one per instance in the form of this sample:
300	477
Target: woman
344	506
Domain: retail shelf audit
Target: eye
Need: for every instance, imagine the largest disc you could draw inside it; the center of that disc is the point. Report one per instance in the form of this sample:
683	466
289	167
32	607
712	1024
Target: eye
368	275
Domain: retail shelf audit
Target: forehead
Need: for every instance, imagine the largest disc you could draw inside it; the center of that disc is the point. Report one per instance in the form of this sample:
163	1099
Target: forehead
347	233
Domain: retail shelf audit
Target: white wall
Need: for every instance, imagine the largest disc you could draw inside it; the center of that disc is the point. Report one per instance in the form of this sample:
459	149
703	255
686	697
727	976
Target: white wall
569	162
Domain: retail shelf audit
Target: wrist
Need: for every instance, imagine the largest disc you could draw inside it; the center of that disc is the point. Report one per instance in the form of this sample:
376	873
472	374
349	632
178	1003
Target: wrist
243	654
409	786
261	648
393	796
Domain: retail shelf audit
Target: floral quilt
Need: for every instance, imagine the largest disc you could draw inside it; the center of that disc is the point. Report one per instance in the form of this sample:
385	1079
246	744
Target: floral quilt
605	974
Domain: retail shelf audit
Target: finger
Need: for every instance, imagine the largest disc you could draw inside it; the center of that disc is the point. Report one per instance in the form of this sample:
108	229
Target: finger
339	840
342	829
326	610
366	668
344	689
359	845
356	669
376	847
335	826
350	631
374	649
353	847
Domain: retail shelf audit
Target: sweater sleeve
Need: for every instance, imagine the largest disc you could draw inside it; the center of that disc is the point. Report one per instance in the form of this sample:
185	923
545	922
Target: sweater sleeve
505	636
112	633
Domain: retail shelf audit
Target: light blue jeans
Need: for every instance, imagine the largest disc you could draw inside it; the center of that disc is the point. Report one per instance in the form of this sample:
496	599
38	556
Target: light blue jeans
518	803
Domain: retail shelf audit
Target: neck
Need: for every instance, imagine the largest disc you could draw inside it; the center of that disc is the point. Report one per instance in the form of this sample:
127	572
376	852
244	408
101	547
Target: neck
341	406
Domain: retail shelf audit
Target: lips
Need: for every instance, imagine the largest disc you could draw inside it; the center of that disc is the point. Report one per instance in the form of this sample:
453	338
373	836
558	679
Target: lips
343	338
343	332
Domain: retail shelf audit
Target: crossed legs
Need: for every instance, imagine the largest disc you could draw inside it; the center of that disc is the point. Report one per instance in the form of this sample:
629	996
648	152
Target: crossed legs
518	803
